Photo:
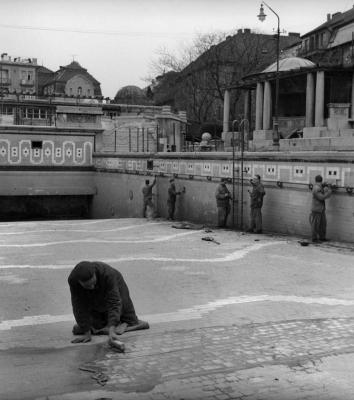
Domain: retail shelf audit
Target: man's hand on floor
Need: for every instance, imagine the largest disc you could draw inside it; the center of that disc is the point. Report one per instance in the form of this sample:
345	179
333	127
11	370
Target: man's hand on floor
83	339
120	329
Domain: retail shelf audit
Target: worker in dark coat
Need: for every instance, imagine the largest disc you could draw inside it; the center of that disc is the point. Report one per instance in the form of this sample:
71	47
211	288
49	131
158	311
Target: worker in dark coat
171	199
101	302
223	198
256	196
320	192
147	197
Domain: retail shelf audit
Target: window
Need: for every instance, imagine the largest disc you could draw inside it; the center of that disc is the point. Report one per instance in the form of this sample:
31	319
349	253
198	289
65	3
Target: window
29	113
4	76
312	43
322	39
79	90
26	75
42	113
88	92
8	111
307	42
36	113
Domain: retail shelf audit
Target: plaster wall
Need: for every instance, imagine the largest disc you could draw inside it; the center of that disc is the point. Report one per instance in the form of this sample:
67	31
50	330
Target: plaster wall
285	210
120	196
46	182
286	177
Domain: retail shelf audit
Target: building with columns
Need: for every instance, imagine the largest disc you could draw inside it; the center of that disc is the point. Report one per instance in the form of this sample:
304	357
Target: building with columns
315	106
315	92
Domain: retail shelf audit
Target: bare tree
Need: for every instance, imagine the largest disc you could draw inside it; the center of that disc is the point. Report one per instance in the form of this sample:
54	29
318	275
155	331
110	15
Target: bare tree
166	60
208	66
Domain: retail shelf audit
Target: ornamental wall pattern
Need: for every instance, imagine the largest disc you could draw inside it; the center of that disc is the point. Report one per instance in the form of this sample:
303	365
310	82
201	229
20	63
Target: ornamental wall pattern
289	171
37	152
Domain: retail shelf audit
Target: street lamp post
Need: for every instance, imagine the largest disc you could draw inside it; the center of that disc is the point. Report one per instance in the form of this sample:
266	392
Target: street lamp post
262	17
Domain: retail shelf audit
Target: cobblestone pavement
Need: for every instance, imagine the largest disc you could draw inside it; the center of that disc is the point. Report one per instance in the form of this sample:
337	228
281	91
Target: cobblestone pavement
256	317
255	361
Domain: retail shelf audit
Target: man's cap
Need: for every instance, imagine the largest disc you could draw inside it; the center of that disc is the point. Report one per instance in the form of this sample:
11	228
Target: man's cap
172	180
83	271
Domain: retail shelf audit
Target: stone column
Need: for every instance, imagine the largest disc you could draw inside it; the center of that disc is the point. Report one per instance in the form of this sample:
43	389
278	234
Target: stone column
226	126
247	109
267	106
352	107
310	100
319	107
259	106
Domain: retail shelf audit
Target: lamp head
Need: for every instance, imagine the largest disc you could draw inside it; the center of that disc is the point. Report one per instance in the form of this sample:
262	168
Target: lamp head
261	16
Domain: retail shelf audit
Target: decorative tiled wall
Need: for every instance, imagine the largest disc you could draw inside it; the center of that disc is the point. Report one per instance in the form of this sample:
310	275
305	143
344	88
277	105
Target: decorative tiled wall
50	152
286	207
287	171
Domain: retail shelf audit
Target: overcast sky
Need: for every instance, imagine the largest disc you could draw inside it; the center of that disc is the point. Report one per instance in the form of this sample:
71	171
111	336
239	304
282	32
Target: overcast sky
116	40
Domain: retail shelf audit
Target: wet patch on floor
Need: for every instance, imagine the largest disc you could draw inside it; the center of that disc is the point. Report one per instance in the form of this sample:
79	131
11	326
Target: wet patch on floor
47	370
152	359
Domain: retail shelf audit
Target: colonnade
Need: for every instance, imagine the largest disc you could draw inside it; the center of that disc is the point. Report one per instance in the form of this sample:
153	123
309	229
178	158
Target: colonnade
264	109
315	99
315	84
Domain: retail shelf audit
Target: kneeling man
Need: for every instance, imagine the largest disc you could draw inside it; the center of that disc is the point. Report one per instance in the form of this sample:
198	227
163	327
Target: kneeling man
101	302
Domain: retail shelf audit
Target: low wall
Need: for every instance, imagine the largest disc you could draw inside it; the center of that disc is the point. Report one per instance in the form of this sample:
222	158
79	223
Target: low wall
45	172
286	176
43	207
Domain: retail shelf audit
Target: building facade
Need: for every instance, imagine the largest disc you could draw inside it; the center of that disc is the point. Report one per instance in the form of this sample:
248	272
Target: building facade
72	81
331	43
18	75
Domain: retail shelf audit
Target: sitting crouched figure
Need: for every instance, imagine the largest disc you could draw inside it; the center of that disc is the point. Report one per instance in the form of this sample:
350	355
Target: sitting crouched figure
101	302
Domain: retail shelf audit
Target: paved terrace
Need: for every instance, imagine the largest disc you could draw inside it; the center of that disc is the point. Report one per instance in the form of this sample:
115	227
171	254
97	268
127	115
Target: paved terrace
256	317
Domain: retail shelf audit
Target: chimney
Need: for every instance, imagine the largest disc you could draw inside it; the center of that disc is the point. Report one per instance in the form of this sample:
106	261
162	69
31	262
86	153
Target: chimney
328	17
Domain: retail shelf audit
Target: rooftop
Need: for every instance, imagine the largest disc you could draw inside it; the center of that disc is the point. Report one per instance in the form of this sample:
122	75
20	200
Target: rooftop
289	64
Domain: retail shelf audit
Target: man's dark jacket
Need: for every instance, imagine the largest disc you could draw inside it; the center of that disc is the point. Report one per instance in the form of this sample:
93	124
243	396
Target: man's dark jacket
257	195
223	196
109	298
